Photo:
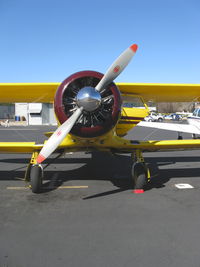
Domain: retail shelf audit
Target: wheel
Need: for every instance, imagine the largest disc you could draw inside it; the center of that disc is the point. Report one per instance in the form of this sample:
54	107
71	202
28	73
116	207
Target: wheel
36	179
139	176
160	119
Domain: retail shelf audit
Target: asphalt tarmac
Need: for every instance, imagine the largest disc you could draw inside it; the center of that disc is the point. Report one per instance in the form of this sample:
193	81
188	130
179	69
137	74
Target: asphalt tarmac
88	215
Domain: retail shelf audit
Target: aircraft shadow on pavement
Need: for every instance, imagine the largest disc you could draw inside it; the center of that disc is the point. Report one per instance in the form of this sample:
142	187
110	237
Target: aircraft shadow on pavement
100	166
103	166
159	177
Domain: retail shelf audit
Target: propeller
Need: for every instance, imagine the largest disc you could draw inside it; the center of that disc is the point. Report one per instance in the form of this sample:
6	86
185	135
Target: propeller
117	67
58	136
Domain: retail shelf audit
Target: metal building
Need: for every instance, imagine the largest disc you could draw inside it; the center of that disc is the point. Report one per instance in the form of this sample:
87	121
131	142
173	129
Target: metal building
7	111
35	113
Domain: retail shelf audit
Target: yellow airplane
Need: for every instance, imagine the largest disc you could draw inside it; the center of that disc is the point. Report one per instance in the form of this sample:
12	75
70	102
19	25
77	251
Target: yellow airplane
94	113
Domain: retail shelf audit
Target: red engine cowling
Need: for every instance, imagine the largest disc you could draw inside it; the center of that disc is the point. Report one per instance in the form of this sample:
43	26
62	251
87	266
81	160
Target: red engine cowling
89	124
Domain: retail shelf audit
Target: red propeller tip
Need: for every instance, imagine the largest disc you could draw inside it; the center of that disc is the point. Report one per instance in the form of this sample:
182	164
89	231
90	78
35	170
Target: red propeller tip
40	158
134	47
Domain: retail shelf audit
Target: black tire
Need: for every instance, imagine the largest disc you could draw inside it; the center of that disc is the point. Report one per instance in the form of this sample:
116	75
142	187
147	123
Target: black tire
36	179
160	119
139	176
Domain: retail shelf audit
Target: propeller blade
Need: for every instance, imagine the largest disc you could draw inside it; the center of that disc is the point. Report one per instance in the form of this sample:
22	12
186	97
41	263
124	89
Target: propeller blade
58	136
117	67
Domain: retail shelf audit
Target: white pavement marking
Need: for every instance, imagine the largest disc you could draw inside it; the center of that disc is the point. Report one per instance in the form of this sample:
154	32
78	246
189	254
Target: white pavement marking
184	186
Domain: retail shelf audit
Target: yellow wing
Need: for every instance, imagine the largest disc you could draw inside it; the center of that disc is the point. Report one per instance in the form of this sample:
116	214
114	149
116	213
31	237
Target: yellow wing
44	92
19	147
114	144
162	92
27	92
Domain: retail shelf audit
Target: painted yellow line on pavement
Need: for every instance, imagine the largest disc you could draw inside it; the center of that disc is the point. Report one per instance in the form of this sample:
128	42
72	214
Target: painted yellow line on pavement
59	187
17	187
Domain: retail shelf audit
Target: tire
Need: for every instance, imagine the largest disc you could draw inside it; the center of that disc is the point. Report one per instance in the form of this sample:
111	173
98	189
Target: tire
36	179
160	119
139	176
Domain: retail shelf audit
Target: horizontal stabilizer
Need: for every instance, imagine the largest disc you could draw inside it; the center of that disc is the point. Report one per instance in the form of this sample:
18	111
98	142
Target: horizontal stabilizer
48	134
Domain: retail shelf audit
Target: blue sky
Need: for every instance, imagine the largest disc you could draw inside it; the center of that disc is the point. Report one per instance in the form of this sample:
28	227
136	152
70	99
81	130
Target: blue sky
46	41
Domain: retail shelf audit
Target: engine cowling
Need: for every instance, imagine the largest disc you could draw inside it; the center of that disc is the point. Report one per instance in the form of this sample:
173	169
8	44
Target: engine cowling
101	110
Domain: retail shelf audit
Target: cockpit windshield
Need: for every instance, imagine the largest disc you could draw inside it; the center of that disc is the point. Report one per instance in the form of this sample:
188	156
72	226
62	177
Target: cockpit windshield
136	102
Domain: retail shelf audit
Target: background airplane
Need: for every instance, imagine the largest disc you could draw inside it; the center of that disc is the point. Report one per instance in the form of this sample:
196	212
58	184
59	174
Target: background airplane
93	113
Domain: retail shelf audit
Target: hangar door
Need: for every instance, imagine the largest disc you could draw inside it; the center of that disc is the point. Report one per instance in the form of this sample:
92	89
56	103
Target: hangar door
35	110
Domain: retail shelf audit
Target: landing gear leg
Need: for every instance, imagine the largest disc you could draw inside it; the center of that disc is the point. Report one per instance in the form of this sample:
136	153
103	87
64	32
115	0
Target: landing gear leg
194	136
34	174
140	171
180	137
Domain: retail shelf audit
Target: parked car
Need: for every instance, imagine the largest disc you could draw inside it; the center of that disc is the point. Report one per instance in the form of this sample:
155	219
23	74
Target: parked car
153	116
173	116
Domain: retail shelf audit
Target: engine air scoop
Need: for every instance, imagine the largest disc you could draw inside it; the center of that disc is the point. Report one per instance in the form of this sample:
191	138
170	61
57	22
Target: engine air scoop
88	98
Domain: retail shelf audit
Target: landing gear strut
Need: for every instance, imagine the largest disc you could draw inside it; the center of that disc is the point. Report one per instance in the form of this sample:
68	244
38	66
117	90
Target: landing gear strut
180	137
140	171
194	136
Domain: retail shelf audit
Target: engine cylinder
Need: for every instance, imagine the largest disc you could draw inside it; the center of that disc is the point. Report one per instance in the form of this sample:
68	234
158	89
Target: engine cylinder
93	122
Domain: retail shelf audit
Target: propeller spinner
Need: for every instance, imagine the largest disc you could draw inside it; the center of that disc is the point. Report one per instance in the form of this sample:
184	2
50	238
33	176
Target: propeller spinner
88	98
